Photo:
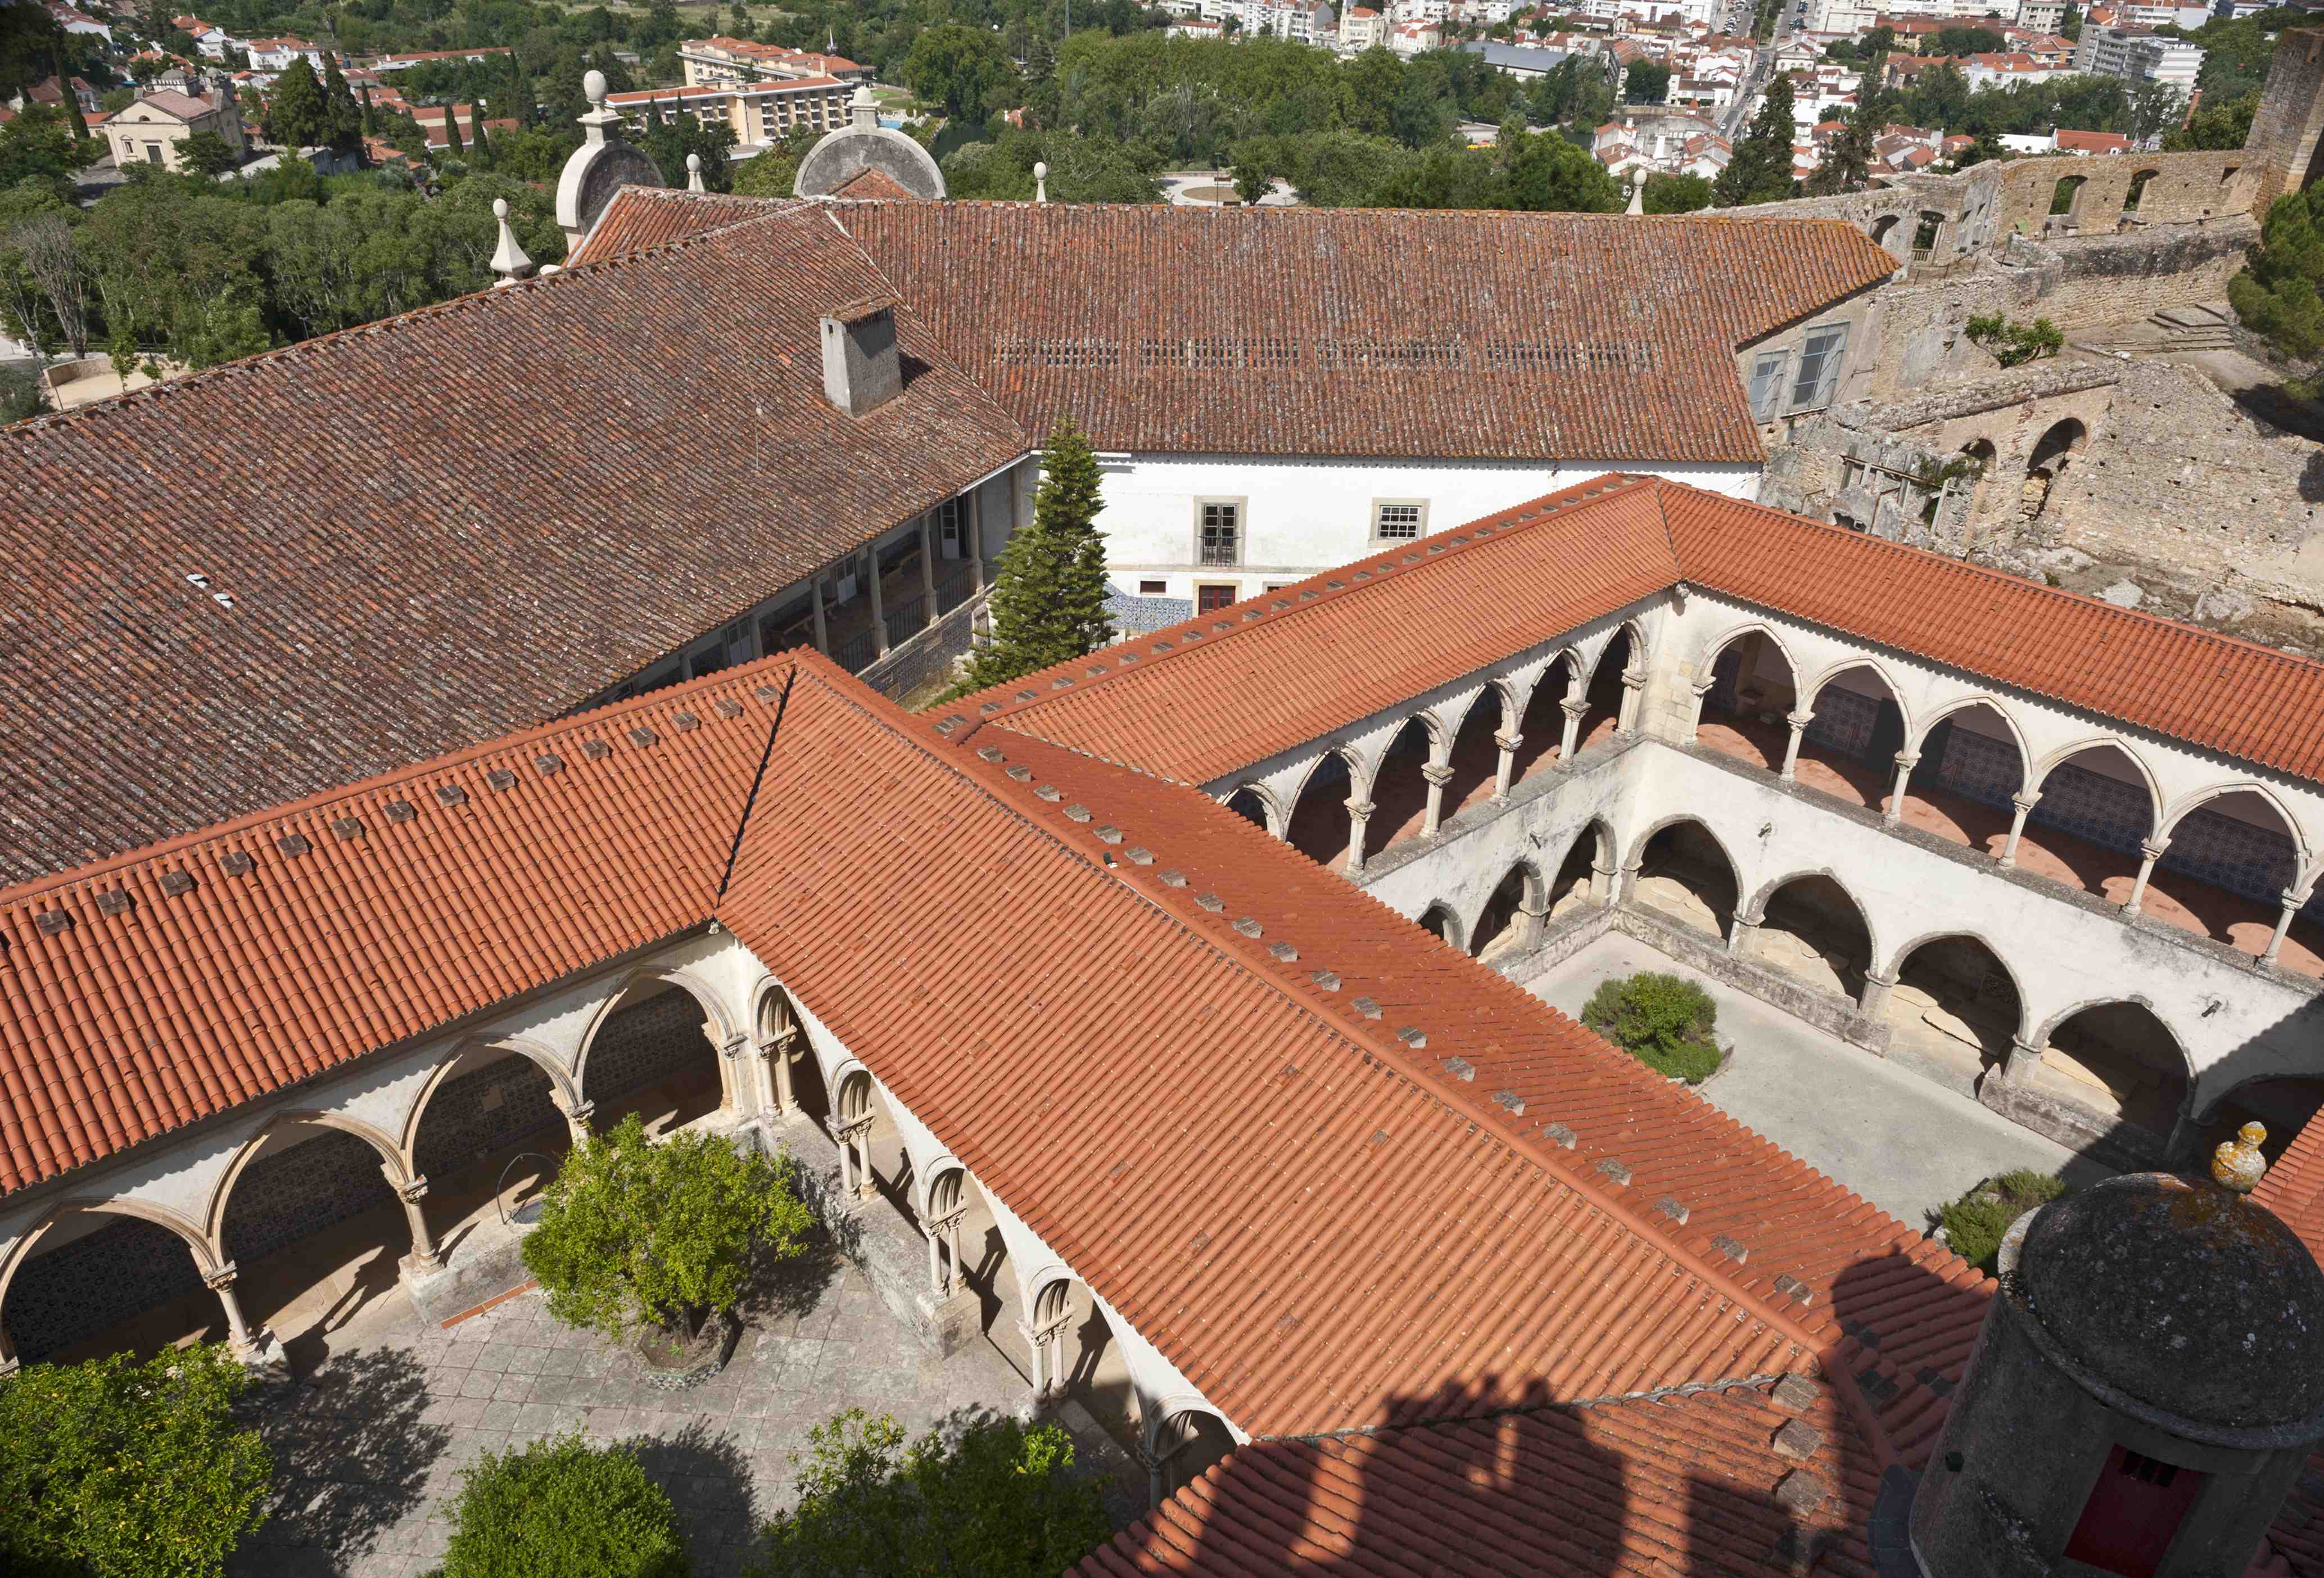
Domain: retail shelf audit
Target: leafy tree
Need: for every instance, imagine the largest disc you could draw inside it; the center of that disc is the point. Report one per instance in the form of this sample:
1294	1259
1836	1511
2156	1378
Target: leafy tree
221	329
1646	82
1676	194
1663	1020
452	147
560	1508
1761	169
2275	295
114	1469
1548	174
341	119
1082	170
773	172
2222	125
2069	26
963	69
22	396
1848	156
205	154
39	145
299	116
480	151
1976	1223
1001	1500
665	1233
1966	40
45	247
668	145
1419	117
2013	344
1048	599
1252	180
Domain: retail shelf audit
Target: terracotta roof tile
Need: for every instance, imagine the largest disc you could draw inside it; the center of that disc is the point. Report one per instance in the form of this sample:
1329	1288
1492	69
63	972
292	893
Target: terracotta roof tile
584	486
873	184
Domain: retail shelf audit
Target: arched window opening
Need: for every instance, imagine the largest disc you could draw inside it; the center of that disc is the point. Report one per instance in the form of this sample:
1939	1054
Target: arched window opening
315	1231
1476	760
2224	875
2085	830
1965	786
1319	818
1849	748
98	1283
1245	803
1501	926
2066	197
1440	922
1605	694
1686	875
2046	464
1752	692
1187	1443
1954	1005
1577	885
1543	724
2118	1061
1883	228
653	1056
2137	191
1811	929
1400	788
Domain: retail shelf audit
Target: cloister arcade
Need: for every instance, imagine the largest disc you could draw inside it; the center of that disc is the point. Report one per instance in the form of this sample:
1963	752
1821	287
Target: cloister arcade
2044	822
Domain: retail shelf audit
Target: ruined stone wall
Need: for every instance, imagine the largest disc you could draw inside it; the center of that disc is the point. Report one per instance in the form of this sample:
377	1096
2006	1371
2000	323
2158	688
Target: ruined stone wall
2183	189
2089	281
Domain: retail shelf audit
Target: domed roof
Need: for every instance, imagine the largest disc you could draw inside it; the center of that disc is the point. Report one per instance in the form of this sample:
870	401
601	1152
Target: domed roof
2186	1296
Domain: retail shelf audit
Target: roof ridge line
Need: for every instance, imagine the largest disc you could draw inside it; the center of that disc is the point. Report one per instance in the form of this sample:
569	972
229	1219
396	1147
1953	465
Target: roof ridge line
194	838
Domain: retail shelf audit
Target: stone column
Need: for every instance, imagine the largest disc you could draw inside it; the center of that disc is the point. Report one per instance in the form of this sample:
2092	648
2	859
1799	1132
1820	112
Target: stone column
1573	707
1873	1002
928	575
247	1342
2153	850
975	543
2024	804
855	1155
2290	901
879	613
9	1363
576	1119
1743	935
1034	1342
1906	761
738	1098
1694	719
777	1053
1508	767
1438	774
2017	1068
423	1258
1799	722
1360	814
1533	920
822	631
1623	881
1634	689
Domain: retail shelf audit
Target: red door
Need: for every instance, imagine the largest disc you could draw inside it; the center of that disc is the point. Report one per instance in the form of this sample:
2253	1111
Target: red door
2133	1513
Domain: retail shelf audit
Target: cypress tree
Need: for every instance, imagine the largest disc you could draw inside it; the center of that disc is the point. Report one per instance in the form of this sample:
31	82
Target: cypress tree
452	149
1048	599
480	148
1761	169
342	120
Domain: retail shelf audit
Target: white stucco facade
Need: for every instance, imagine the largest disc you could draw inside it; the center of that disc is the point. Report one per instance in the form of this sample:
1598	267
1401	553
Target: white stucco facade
1298	517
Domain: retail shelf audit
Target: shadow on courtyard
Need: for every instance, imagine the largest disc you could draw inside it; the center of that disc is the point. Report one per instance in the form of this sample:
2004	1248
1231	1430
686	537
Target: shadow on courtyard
707	1477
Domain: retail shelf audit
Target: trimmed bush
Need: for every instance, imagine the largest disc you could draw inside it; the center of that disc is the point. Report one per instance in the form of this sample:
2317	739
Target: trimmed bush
1976	1223
639	1233
562	1508
114	1469
1665	1021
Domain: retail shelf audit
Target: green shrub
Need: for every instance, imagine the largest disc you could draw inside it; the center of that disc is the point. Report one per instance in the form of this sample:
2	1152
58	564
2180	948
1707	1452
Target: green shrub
1663	1020
1976	1223
562	1508
639	1233
114	1469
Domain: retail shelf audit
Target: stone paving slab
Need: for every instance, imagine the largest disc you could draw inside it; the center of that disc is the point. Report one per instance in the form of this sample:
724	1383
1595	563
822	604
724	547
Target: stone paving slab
371	1436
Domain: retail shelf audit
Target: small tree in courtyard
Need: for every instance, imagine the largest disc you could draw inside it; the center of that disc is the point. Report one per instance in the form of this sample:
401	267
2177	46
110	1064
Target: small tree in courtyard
637	1233
562	1508
1665	1021
1049	600
114	1469
998	1500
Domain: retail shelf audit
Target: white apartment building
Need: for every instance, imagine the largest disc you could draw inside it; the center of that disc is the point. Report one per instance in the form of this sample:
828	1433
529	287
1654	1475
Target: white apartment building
2132	52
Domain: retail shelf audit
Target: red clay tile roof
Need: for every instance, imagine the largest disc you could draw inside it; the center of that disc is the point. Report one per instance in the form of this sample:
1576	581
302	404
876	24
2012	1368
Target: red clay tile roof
627	226
1278	353
873	184
1634	1489
1431	611
179	982
581	484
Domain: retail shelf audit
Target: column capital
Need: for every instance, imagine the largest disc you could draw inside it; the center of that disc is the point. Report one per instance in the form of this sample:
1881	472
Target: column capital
735	1045
1908	759
2026	801
1633	678
1361	810
1799	720
2154	848
1437	772
1508	742
1574	705
581	1111
2290	898
219	1278
412	1190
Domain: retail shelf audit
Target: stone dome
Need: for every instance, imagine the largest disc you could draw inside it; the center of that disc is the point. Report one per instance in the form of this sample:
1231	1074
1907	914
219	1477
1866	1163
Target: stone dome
2188	1297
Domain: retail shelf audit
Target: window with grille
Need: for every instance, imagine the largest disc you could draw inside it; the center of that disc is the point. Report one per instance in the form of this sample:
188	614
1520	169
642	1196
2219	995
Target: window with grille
1397	521
1208	599
1768	382
1819	374
1221	533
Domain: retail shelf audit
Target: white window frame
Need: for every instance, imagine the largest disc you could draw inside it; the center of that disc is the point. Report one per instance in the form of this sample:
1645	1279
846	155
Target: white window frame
1770	372
1241	508
1419	508
1827	384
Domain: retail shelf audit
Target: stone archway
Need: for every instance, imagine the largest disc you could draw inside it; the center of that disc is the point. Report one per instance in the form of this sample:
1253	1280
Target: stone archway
1954	1005
655	1054
1752	694
95	1281
1320	827
2046	463
1811	928
1504	926
1684	873
2119	1062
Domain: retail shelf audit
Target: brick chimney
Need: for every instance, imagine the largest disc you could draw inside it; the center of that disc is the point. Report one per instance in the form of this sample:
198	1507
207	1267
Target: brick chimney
862	370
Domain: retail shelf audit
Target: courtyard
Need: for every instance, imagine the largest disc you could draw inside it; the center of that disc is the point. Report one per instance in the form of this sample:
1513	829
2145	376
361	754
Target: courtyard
370	1432
1905	1143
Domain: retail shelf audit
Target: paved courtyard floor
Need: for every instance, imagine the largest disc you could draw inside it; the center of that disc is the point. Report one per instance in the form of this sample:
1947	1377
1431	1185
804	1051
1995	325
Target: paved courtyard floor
370	1437
1902	1142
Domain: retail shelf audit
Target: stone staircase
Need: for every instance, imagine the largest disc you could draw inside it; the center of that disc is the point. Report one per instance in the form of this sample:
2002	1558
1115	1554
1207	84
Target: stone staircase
2200	327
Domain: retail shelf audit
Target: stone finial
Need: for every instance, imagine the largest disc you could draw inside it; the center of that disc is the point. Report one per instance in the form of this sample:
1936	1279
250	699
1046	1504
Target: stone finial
601	116
1041	181
862	109
694	173
510	261
1637	193
2237	1165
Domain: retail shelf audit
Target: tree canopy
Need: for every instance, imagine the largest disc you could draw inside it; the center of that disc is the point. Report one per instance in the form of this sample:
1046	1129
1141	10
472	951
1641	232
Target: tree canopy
2276	294
562	1507
963	68
1761	169
1048	598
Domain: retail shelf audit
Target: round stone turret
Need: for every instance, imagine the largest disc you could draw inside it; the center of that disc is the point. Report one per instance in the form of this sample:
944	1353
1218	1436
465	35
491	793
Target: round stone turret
2146	1387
